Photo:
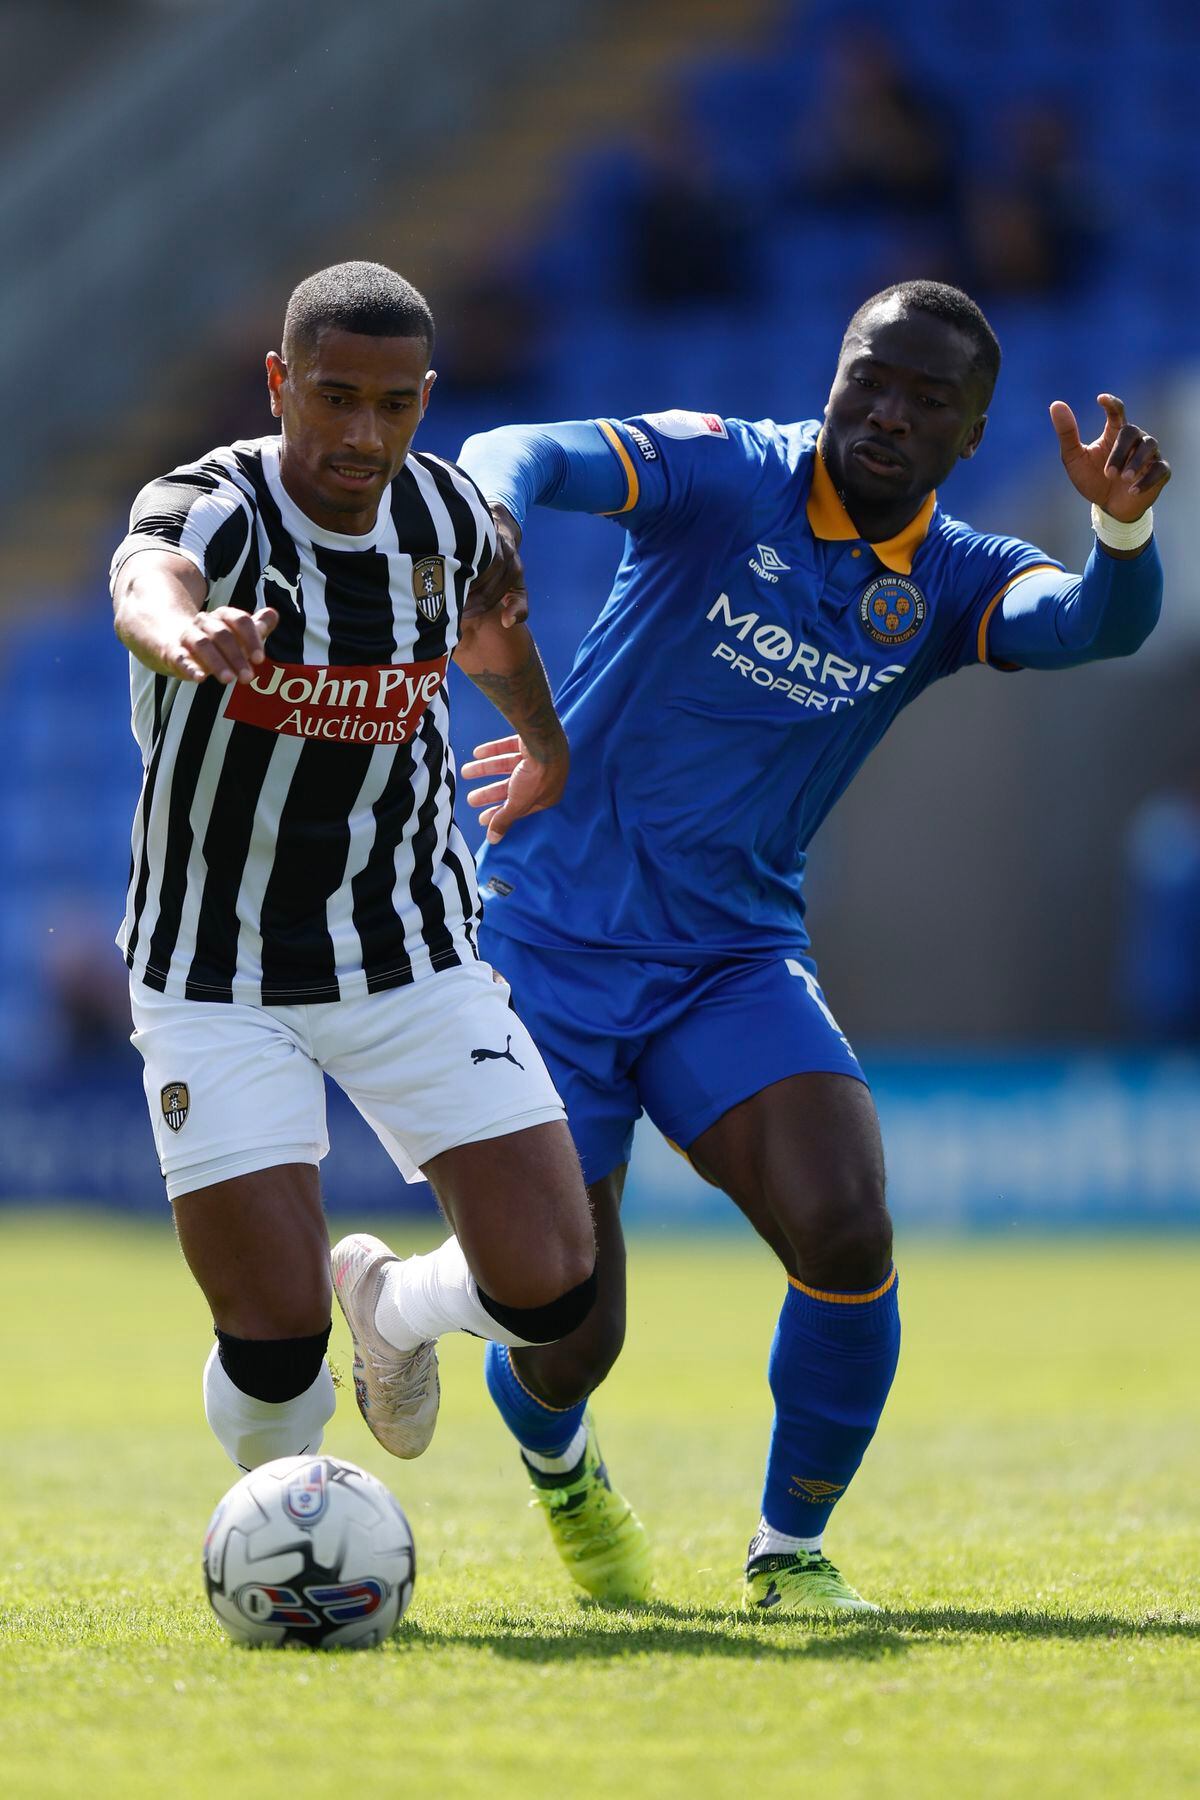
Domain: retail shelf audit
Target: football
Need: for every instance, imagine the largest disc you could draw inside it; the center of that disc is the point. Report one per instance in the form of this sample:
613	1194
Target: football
309	1550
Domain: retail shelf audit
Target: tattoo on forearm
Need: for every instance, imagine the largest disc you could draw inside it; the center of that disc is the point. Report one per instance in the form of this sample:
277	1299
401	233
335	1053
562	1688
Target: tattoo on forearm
523	697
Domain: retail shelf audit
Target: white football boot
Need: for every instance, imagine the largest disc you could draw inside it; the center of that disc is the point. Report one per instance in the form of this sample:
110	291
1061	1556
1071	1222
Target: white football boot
397	1390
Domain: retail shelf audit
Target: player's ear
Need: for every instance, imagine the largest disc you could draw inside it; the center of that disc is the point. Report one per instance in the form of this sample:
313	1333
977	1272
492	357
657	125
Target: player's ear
276	376
427	389
974	438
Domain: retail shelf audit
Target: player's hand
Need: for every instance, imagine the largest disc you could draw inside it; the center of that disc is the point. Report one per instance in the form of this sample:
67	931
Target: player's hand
502	583
1121	471
517	784
226	643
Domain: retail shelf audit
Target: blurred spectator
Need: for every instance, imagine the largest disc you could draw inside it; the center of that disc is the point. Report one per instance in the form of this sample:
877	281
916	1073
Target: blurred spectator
1033	227
89	987
880	139
236	391
690	239
490	343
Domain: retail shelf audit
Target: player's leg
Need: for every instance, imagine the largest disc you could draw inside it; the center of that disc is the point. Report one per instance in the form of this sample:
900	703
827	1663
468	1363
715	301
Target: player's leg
541	1391
542	1395
238	1111
523	1231
582	1011
801	1156
804	1162
453	1085
258	1248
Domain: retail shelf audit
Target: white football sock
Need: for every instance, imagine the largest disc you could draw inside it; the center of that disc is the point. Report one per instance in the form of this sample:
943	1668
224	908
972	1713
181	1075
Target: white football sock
254	1431
769	1542
558	1465
424	1296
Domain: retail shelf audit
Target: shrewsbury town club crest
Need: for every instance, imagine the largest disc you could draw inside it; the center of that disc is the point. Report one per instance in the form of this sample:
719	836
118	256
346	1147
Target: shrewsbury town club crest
175	1103
429	586
892	610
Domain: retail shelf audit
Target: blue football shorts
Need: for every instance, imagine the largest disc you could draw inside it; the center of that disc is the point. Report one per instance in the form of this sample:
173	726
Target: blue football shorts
681	1043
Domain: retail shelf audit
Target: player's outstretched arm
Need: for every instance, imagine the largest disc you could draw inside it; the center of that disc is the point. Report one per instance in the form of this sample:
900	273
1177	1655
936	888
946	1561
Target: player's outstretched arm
570	466
528	772
1051	620
158	614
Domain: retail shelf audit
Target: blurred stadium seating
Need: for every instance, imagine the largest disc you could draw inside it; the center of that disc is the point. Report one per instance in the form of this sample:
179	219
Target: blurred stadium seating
1031	874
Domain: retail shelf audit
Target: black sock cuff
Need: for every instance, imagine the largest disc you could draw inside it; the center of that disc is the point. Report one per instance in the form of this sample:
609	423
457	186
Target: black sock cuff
544	1324
272	1369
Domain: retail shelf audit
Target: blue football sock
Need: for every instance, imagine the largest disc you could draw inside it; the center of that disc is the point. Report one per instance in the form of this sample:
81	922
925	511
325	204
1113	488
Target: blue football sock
832	1363
546	1430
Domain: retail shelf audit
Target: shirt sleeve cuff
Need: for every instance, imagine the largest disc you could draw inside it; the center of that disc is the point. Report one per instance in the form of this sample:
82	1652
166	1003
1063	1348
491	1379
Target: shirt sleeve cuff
137	541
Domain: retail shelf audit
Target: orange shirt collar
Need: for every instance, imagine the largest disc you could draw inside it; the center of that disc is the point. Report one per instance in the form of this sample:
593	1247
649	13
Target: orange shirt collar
830	520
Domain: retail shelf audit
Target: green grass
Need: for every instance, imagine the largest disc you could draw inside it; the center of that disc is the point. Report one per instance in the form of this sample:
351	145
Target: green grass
1028	1517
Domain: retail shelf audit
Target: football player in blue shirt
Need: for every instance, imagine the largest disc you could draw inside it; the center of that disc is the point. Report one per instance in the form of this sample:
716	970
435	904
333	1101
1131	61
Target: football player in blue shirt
785	590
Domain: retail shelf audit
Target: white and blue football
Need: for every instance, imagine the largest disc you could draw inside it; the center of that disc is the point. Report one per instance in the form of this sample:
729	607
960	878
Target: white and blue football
309	1550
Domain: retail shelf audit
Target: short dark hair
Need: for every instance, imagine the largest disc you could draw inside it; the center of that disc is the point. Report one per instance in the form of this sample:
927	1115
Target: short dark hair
355	296
956	308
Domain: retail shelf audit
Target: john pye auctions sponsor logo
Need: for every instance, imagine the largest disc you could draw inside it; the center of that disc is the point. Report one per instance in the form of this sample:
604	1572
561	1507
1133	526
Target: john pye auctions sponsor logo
829	681
369	704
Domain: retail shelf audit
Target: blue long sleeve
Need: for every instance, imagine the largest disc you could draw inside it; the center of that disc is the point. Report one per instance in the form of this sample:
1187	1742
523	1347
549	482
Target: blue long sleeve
569	466
1048	620
1055	621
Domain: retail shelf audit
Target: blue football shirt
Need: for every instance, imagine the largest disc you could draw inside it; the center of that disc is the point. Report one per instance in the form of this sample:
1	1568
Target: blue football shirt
752	652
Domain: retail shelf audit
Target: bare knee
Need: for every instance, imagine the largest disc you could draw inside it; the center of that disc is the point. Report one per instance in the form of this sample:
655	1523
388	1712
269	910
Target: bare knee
520	1211
548	1274
264	1310
563	1374
549	1286
258	1248
841	1238
272	1297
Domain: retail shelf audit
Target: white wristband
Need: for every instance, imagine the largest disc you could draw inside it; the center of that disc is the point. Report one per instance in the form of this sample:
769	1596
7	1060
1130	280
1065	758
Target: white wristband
1120	536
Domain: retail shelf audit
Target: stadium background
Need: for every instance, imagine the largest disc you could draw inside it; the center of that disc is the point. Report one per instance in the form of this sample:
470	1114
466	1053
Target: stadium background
618	206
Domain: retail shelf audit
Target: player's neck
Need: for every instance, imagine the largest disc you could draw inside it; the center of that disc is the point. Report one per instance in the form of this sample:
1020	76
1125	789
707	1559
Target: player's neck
357	523
875	520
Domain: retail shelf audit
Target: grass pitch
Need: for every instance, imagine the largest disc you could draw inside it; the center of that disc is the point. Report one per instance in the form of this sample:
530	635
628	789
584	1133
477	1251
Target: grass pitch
1028	1517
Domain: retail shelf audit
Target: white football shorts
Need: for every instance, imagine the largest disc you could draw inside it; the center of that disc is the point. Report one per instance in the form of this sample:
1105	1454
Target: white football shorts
234	1088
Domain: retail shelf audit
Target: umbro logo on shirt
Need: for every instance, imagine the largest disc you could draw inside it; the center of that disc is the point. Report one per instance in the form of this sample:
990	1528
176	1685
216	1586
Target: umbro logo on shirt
768	564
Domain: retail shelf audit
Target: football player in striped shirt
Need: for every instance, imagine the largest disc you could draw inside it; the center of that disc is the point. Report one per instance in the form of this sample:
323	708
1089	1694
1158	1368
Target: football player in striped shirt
784	591
301	902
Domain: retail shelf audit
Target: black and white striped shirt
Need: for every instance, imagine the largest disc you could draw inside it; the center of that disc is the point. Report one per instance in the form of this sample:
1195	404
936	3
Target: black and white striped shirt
295	839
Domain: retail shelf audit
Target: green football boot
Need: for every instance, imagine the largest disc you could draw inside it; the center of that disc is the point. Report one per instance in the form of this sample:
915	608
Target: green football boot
595	1530
800	1581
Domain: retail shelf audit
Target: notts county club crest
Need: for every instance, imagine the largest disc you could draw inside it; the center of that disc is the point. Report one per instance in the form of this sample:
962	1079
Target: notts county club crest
429	586
892	610
175	1103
